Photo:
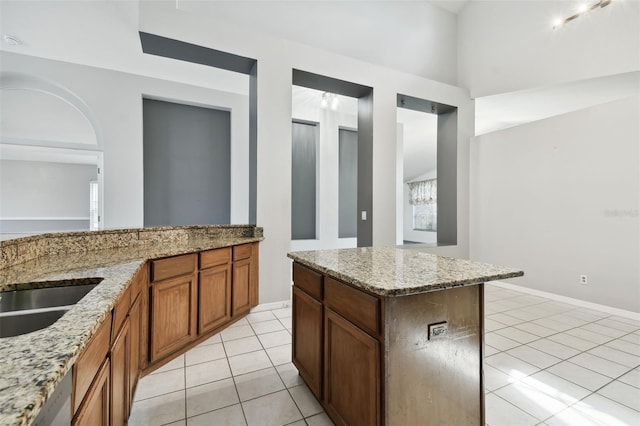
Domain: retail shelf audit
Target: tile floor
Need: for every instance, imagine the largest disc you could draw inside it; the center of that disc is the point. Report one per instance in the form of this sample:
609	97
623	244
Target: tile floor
546	363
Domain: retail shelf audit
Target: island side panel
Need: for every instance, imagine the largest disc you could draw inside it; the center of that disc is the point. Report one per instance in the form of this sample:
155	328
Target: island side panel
435	381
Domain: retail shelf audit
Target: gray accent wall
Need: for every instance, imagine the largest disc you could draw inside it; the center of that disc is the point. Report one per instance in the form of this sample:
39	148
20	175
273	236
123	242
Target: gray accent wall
347	183
187	164
365	169
448	177
304	147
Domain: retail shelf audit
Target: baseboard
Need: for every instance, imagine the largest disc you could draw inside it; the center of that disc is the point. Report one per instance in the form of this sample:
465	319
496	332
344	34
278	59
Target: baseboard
570	300
272	305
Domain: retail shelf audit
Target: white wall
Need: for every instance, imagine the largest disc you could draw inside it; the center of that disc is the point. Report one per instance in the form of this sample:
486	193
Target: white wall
115	100
39	189
329	123
510	45
409	234
276	59
560	198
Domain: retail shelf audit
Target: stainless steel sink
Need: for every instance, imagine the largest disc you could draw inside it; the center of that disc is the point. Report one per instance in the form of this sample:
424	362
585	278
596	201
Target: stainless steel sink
23	322
24	311
38	298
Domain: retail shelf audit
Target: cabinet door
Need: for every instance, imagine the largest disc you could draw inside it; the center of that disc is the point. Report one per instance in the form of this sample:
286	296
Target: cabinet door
94	410
173	315
241	286
214	297
352	373
120	376
134	349
307	339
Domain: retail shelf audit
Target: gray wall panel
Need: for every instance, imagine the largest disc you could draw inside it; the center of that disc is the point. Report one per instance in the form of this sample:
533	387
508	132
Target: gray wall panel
303	181
447	177
187	164
348	184
365	169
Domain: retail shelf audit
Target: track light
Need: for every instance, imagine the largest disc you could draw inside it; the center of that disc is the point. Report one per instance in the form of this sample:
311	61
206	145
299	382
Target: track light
581	10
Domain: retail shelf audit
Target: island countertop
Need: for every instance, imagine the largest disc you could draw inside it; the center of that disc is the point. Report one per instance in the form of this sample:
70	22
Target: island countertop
389	271
33	364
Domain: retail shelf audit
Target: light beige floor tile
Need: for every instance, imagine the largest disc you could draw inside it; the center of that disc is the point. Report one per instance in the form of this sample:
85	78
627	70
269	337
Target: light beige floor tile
211	396
632	378
207	372
306	402
280	354
517	335
505	319
501	413
573	341
587	334
228	416
624	346
159	384
626	320
258	383
622	326
606	411
500	342
624	358
553	348
242	346
631	337
182	422
489	350
286	322
271	410
159	410
624	394
240	322
289	375
511	366
171	365
238	332
205	353
277	338
282	313
212	340
260	316
494	378
533	356
603	330
572	417
554	325
600	365
267	326
536	329
246	363
579	375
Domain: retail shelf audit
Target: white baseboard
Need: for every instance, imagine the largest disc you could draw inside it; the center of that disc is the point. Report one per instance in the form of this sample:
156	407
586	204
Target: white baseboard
570	300
272	305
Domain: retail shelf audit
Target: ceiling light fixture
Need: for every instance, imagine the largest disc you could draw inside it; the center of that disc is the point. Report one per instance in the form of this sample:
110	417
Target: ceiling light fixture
329	100
11	40
582	10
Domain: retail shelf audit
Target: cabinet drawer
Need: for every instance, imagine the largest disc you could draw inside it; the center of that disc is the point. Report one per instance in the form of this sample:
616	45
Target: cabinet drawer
357	306
172	267
215	257
307	280
242	251
86	368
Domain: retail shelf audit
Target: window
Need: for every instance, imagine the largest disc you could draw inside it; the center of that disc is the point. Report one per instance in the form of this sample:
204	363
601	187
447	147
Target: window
425	217
423	196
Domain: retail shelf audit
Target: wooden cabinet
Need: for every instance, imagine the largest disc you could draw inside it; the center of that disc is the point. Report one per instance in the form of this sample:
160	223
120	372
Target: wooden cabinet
134	347
307	342
214	301
352	373
241	286
120	352
173	315
94	410
337	338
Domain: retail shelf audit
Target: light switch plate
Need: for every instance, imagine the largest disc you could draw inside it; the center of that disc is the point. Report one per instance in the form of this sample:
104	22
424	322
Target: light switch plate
364	215
438	330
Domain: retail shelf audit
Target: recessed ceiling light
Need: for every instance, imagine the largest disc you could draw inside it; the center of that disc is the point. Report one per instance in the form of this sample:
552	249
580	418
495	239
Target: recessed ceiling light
11	40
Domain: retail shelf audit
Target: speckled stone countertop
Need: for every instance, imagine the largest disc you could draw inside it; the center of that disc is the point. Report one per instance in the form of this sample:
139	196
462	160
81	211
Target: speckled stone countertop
388	271
31	365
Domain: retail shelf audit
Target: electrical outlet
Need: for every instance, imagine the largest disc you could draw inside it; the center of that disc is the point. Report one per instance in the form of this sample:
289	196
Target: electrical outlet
583	280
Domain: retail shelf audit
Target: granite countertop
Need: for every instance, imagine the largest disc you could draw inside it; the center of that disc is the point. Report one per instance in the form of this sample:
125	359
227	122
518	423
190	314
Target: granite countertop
34	363
389	271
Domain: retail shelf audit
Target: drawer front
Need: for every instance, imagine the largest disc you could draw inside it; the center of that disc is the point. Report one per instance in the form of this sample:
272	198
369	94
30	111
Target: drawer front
216	257
172	267
242	251
357	306
86	368
307	280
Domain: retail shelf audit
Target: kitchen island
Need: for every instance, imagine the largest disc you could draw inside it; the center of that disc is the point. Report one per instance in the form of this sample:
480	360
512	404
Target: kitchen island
386	336
159	292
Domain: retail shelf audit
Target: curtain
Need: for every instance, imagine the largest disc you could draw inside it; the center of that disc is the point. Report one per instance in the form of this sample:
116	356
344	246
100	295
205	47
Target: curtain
423	192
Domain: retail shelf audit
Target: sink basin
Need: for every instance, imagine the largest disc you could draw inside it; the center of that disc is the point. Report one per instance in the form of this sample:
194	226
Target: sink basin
23	323
24	311
38	298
